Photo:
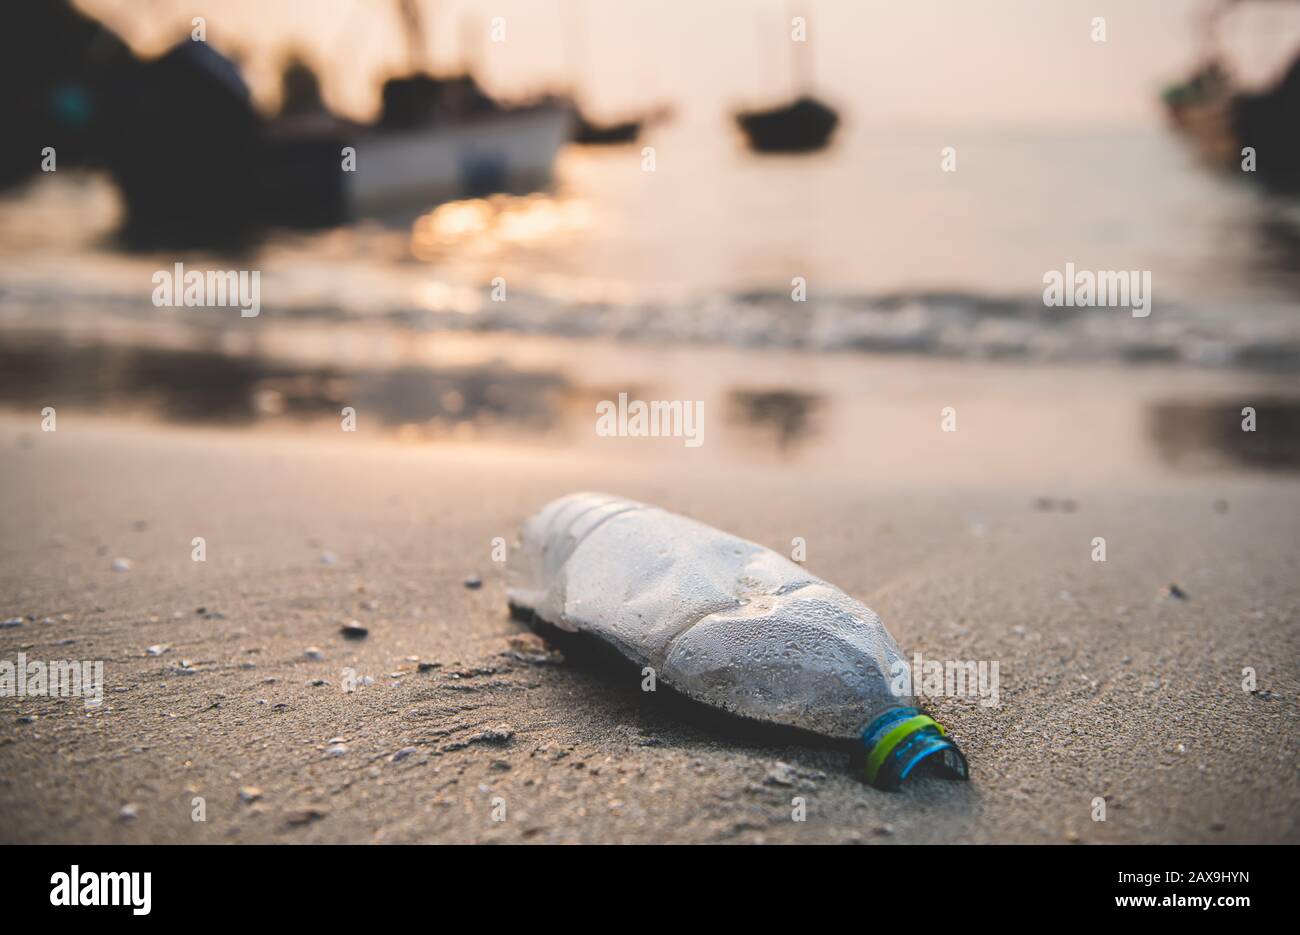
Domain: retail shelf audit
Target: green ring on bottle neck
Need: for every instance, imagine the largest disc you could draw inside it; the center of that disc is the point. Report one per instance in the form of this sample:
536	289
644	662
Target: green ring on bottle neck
883	747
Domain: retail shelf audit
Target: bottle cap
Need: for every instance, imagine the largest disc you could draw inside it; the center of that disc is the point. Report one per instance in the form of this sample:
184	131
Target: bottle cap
904	742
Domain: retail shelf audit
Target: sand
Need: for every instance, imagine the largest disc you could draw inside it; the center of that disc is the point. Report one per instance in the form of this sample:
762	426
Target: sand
1108	688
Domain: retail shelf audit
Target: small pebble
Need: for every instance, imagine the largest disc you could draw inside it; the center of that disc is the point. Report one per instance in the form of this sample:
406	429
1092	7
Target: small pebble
156	650
304	816
336	749
129	811
473	582
250	794
1176	592
353	630
11	622
328	558
121	564
781	774
313	653
402	754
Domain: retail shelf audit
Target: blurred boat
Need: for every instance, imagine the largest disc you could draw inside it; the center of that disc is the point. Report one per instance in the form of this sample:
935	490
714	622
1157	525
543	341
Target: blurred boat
438	138
1270	122
198	165
510	151
588	132
1219	120
400	173
1200	108
802	126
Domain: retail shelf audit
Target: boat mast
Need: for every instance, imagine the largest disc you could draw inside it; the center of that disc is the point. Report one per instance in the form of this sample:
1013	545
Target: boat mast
409	13
801	65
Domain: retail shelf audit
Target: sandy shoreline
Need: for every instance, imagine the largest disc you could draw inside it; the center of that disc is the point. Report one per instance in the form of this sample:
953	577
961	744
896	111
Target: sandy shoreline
1108	689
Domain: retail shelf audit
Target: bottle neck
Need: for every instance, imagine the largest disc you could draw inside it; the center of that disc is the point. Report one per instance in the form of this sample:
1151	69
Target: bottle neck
904	741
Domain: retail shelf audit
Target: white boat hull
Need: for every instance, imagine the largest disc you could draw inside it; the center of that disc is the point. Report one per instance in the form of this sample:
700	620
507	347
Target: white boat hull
410	170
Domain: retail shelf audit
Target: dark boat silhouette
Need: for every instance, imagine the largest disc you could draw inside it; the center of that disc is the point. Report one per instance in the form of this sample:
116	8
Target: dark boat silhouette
804	125
1270	122
589	133
1218	119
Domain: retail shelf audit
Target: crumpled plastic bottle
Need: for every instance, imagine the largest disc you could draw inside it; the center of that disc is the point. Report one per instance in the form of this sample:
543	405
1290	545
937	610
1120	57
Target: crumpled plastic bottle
728	623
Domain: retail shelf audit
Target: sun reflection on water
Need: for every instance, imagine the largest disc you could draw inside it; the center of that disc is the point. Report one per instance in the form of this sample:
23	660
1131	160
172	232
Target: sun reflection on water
488	225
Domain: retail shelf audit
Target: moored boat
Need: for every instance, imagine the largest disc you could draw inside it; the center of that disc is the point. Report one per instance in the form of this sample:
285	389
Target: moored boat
801	126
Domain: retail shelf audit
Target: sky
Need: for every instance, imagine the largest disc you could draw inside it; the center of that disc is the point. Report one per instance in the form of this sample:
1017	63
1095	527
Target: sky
1005	63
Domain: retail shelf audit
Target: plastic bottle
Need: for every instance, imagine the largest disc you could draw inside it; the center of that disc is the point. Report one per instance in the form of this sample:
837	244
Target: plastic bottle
728	623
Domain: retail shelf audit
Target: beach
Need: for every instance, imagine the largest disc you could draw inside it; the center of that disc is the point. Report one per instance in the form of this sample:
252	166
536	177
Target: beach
988	321
465	725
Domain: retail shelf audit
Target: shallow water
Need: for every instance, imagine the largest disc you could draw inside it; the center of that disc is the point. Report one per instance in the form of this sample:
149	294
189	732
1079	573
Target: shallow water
897	256
924	290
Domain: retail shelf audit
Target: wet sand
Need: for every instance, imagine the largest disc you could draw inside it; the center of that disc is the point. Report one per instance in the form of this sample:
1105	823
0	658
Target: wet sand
1109	688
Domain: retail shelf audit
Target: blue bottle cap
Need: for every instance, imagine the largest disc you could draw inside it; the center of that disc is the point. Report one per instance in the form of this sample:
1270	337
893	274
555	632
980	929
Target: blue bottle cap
903	742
